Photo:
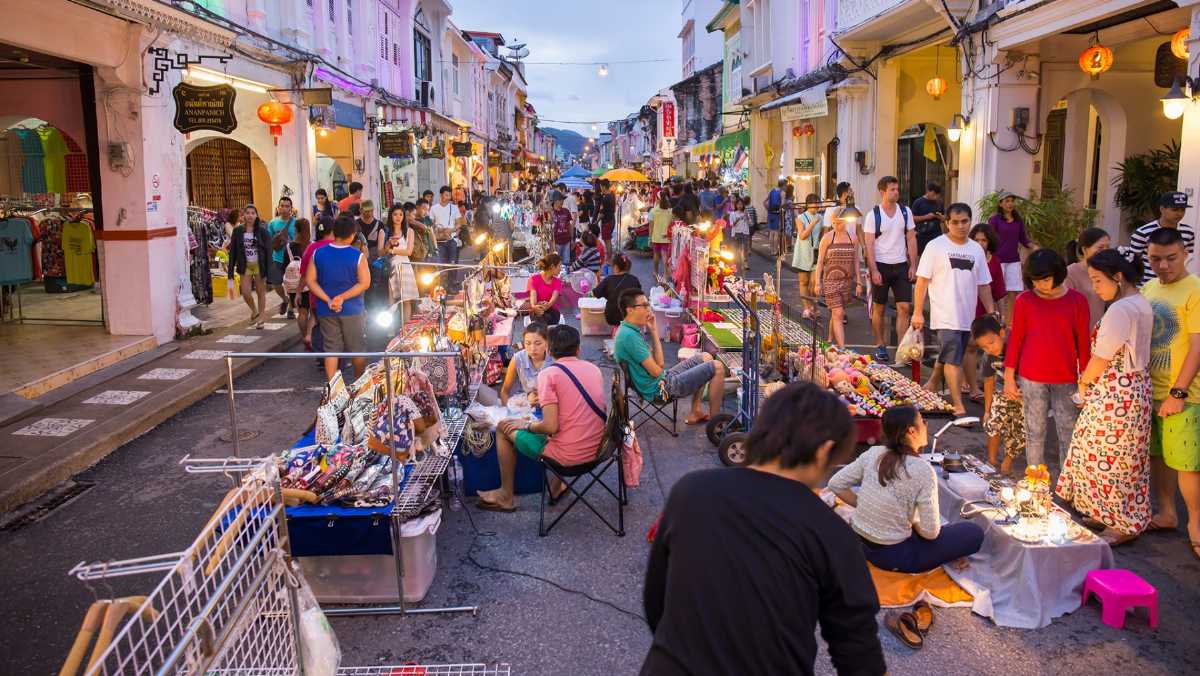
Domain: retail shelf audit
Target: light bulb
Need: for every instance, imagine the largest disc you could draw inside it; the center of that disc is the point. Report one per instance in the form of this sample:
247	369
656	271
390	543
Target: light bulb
498	247
726	254
603	72
425	342
479	239
953	134
1173	108
384	318
427	278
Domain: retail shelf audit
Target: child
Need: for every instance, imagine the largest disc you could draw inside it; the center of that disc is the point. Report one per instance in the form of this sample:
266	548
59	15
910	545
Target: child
739	228
1003	417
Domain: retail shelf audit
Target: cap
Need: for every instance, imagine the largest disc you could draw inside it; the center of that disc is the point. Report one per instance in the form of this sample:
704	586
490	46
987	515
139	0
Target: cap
1175	199
1004	194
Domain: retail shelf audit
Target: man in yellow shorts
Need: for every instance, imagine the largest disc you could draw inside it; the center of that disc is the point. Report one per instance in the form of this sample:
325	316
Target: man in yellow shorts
1175	373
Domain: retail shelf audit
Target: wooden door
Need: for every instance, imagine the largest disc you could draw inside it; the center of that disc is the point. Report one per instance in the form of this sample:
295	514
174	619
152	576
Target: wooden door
219	175
1052	158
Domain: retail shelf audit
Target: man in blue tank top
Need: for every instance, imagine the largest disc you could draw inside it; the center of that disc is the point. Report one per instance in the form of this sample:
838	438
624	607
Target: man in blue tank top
336	279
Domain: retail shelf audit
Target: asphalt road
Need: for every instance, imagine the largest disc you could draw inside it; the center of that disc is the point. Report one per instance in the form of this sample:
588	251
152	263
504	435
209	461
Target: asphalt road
568	603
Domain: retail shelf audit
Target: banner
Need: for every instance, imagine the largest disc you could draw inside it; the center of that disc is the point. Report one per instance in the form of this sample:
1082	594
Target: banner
668	119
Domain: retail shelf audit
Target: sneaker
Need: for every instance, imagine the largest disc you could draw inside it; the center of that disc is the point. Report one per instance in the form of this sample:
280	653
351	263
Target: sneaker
881	354
291	314
283	308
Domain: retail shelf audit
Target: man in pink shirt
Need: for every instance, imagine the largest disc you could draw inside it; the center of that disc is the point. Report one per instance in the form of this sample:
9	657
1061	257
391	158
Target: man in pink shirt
571	393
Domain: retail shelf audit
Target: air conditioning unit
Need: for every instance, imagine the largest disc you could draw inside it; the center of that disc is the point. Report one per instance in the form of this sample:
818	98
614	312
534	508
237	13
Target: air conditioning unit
425	94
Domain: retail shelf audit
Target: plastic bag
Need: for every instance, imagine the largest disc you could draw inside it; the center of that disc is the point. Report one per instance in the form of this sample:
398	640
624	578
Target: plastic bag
911	347
318	644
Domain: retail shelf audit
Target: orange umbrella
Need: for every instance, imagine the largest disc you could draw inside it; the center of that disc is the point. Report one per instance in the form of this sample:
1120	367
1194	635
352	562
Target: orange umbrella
625	175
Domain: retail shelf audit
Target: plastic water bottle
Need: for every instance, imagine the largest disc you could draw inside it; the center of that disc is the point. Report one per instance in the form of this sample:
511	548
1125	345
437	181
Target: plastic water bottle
456	476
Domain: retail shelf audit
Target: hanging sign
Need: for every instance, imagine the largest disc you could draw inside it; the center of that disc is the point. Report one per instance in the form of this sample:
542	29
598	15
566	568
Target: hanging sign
323	117
204	108
668	120
395	144
436	149
805	165
462	148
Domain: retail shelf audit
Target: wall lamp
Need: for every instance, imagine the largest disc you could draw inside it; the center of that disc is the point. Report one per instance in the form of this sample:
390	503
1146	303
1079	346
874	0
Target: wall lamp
957	124
1175	102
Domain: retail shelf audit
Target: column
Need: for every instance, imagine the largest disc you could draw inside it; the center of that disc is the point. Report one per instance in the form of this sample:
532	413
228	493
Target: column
1189	155
856	119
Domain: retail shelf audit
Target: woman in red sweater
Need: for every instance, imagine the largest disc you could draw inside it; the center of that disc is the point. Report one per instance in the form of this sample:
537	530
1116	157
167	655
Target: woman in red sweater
1048	347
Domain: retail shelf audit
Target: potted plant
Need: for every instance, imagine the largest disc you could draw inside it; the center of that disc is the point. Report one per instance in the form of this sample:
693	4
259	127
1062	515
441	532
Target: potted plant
1142	178
1051	220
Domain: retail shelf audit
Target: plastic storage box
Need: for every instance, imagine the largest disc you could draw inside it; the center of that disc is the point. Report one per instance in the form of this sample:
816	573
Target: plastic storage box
371	578
592	322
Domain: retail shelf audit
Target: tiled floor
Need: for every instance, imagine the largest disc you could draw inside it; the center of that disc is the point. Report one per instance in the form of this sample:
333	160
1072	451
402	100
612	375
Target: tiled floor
31	352
75	306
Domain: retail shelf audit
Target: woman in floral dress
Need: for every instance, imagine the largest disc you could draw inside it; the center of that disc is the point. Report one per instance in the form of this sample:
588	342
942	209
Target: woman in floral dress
1106	475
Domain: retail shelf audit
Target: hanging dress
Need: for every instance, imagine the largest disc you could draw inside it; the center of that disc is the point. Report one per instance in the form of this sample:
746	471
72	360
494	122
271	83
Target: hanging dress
1107	471
837	274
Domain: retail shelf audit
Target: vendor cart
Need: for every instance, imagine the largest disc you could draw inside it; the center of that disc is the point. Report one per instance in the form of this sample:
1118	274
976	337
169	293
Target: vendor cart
727	431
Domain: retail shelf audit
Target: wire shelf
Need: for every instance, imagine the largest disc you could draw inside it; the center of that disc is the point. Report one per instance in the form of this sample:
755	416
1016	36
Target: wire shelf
418	485
225	600
429	670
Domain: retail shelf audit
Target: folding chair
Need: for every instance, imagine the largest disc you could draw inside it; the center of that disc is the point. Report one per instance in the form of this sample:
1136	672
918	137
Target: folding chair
612	447
653	410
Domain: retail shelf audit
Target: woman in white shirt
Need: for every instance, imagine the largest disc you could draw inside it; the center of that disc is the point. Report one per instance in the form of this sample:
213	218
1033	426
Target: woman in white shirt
896	507
1106	476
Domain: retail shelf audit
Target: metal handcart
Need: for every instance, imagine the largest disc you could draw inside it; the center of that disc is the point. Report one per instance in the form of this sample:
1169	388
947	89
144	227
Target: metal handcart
727	431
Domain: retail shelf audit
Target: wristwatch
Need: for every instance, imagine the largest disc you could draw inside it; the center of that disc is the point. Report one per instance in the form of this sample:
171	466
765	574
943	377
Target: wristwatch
1178	393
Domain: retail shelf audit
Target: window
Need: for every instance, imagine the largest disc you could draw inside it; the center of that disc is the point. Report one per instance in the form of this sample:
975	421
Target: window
760	11
422	57
332	11
385	23
350	17
454	71
383	47
395	54
689	52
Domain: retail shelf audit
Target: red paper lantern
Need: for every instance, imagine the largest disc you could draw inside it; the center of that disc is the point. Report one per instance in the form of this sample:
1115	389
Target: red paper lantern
1179	43
275	114
936	87
1095	60
797	132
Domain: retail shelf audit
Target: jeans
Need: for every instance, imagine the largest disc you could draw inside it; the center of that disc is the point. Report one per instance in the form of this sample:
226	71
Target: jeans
564	253
917	555
448	253
1039	399
743	241
687	377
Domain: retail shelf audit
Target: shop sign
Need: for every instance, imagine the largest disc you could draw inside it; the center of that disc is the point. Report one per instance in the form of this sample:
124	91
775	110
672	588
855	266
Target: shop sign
204	108
437	149
348	115
395	144
668	120
462	148
805	165
805	109
1168	67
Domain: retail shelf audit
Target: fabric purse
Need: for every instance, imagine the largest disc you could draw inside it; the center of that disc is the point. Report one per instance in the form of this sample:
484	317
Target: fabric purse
441	372
381	436
332	405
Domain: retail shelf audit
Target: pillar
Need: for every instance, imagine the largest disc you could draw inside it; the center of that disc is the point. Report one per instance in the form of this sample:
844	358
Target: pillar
1189	155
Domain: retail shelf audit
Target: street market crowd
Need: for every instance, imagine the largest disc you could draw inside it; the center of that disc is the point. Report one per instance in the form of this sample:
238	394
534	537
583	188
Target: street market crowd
1103	340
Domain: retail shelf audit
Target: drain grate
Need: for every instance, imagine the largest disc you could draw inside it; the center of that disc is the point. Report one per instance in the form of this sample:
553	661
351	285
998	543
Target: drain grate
44	506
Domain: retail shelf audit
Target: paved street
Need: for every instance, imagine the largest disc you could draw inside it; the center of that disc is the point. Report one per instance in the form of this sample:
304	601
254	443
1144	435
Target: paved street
568	603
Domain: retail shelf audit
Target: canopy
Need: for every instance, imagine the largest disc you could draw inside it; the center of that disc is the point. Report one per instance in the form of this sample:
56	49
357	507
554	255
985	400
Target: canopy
576	171
599	171
574	183
625	175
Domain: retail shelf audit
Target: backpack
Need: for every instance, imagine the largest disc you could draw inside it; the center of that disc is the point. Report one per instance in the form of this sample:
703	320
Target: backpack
291	274
907	219
420	251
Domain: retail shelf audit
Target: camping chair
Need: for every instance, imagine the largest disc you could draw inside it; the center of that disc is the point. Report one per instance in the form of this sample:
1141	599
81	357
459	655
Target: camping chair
612	446
650	410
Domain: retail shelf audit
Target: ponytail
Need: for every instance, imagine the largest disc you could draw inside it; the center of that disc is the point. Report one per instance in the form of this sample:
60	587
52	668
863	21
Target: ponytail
1086	240
896	423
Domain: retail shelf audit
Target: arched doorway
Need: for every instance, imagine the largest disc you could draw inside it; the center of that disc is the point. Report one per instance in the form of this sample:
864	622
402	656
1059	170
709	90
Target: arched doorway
332	177
922	156
225	174
1085	142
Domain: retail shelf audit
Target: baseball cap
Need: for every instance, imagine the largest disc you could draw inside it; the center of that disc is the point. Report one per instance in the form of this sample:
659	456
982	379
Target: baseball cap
1174	199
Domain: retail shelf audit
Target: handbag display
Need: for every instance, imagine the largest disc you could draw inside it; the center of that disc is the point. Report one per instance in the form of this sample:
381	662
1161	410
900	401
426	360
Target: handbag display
328	423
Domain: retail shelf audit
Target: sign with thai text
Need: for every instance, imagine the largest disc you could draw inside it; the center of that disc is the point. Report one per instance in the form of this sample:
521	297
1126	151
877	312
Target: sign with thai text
462	148
668	119
395	144
204	108
805	165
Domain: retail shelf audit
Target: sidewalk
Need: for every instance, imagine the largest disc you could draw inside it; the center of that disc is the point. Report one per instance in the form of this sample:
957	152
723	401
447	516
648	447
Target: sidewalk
113	406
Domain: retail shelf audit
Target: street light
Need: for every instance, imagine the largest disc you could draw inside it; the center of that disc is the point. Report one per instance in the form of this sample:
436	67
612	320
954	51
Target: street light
603	72
1175	102
957	124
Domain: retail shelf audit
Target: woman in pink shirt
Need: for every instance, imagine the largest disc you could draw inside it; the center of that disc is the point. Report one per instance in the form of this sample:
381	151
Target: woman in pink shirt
545	290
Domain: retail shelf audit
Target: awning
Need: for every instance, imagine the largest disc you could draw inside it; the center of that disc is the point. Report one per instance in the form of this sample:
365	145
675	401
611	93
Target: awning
813	97
699	150
404	115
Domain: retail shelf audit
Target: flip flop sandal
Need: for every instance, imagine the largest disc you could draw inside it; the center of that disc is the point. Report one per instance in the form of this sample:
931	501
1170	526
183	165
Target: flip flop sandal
922	612
1195	546
1159	527
554	499
904	627
697	421
493	507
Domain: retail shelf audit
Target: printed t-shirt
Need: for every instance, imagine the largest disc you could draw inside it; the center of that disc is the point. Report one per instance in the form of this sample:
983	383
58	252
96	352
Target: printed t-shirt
579	428
54	161
273	229
79	243
337	271
33	169
1176	316
250	246
891	244
630	348
306	257
955	273
562	226
16	241
546	290
660	225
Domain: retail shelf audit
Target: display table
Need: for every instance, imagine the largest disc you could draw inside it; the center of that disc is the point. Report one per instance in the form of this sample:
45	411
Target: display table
1015	583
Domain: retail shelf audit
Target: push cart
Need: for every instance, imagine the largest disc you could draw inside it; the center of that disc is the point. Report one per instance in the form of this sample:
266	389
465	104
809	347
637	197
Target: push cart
728	431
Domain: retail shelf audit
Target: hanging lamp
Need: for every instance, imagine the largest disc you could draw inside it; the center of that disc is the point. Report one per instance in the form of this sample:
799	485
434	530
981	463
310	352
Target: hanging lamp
1179	43
1096	59
937	84
275	115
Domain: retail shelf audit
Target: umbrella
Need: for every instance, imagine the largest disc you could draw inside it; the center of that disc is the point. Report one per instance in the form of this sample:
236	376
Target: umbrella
625	175
599	171
575	171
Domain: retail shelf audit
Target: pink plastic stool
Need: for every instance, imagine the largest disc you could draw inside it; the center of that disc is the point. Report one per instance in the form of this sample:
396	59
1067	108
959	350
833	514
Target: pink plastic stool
1119	590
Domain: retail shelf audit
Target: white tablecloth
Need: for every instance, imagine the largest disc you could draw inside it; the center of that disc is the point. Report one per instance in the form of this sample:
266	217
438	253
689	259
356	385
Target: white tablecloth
1014	583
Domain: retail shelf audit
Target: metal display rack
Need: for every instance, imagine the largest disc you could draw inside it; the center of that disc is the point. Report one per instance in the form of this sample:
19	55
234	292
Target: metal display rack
728	431
429	670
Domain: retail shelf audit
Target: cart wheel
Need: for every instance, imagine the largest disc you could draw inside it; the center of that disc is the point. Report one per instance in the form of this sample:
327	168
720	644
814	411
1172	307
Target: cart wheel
732	450
718	426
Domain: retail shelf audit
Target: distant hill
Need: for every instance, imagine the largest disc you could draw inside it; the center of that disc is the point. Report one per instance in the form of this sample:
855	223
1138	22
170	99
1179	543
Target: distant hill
571	142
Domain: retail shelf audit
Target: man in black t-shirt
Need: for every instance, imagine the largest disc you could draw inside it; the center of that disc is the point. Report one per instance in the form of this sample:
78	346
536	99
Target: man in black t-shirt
927	214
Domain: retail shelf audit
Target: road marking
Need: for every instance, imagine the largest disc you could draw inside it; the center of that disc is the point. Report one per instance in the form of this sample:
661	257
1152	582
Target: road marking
166	374
207	355
239	339
54	427
116	397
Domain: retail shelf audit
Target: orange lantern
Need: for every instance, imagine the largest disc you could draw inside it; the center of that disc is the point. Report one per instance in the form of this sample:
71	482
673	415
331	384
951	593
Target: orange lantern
1179	43
936	87
1095	60
276	115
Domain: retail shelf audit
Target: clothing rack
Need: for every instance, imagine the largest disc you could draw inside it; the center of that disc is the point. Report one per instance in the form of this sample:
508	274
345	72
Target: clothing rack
25	209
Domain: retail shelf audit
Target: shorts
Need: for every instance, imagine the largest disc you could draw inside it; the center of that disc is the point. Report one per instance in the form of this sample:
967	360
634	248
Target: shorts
275	273
687	377
1013	281
1006	419
954	346
894	278
530	444
1177	439
662	248
303	300
252	270
343	333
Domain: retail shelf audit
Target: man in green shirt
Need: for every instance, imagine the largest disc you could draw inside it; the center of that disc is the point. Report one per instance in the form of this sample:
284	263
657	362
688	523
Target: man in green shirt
1175	374
646	364
281	230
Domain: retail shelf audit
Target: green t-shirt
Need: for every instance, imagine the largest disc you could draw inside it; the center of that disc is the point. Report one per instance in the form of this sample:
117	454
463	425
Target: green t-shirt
1176	316
273	229
630	348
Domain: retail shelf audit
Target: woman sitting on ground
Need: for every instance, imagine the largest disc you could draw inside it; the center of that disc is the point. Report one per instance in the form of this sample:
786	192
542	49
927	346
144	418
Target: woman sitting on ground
524	366
898	495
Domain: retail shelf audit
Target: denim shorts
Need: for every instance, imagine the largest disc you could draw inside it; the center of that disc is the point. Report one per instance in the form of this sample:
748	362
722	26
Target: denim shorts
688	376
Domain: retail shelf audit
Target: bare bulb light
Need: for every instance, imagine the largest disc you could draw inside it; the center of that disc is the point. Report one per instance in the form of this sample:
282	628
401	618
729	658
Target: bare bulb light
603	72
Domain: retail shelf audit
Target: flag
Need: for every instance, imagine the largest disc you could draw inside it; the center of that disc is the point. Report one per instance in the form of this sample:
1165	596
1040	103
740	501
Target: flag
930	144
768	153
